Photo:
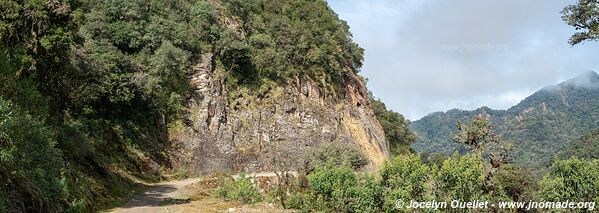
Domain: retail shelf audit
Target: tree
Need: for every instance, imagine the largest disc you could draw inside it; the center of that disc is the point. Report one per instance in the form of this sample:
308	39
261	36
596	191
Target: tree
167	81
395	127
279	156
477	134
586	147
583	16
30	164
35	41
518	183
461	178
572	179
332	184
404	177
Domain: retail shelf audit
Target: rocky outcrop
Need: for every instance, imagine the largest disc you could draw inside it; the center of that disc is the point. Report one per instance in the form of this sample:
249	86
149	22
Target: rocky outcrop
235	135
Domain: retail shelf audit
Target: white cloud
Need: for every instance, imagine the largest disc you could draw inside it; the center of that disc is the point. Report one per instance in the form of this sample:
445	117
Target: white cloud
435	55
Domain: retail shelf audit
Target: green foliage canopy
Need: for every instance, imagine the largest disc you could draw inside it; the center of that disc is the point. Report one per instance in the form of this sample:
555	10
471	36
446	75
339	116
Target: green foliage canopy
405	177
395	126
30	164
586	147
461	178
583	16
572	179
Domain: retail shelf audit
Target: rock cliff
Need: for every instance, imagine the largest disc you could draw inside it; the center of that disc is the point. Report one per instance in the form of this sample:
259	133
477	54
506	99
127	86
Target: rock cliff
221	134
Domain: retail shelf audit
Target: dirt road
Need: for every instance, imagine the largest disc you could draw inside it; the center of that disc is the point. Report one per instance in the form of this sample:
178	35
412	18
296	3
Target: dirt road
174	197
158	198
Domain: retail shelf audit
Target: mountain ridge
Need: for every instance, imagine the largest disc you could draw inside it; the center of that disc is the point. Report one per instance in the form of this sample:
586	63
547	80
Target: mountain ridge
541	123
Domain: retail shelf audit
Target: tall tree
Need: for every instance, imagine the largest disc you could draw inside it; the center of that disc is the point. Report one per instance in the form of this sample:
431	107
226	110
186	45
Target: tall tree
476	134
396	128
584	17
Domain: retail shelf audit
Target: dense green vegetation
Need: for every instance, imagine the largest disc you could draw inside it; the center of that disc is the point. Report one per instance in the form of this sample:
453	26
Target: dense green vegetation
481	166
241	190
405	177
539	127
395	126
29	159
476	175
586	147
280	41
88	89
583	17
572	179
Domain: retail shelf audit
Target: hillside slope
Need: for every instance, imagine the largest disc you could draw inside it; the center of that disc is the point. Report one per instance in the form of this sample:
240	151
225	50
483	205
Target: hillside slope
539	126
98	95
244	110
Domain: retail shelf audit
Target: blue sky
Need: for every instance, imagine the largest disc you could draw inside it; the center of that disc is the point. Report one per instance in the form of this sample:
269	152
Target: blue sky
424	56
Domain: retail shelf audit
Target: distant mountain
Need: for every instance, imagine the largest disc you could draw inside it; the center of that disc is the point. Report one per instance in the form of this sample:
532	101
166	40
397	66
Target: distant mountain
539	127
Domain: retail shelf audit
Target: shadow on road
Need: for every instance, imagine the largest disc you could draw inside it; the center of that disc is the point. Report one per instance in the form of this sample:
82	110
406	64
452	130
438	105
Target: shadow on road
154	196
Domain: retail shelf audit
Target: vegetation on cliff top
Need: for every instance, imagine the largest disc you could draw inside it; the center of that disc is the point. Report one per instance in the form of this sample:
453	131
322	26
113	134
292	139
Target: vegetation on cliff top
397	134
88	88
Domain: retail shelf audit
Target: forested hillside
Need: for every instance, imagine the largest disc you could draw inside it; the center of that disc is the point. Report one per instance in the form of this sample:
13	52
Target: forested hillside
538	127
92	93
585	147
99	99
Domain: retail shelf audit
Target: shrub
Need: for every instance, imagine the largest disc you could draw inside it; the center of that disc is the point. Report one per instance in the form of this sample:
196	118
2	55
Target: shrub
366	196
517	183
405	178
338	154
305	201
332	184
572	179
326	180
340	189
241	190
461	178
29	162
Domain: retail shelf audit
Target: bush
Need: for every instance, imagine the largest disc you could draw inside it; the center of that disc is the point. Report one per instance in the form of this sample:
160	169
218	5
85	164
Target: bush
240	190
29	162
331	185
572	179
337	154
517	183
461	178
405	177
305	201
366	196
340	189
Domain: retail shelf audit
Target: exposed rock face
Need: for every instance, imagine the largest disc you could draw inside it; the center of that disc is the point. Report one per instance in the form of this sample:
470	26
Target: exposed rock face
235	136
